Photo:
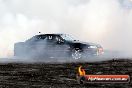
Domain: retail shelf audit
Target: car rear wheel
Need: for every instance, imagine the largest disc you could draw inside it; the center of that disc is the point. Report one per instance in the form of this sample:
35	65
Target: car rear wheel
76	54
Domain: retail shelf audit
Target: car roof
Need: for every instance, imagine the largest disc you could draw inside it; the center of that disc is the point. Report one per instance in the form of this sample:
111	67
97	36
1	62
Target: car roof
51	34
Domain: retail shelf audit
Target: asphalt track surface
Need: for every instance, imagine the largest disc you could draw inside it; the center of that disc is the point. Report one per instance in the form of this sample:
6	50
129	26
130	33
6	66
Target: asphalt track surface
60	75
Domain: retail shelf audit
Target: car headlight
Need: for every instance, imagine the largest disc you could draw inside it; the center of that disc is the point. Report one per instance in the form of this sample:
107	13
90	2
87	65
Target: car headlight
92	46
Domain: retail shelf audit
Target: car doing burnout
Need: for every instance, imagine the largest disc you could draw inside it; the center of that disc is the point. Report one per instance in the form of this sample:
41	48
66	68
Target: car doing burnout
56	45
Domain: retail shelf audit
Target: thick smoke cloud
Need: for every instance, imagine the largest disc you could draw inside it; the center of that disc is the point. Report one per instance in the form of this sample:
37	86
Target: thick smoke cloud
107	22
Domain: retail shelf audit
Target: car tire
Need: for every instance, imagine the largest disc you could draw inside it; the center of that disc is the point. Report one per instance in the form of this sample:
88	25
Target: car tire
76	54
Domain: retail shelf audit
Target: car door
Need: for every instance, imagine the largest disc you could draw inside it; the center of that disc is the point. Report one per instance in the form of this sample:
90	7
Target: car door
41	45
44	45
61	48
51	48
35	45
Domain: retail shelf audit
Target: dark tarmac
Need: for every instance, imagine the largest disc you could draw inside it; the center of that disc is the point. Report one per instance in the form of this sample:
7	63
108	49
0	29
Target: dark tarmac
61	75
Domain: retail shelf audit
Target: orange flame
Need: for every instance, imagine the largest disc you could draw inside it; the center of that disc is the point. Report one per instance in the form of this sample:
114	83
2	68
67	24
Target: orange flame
81	71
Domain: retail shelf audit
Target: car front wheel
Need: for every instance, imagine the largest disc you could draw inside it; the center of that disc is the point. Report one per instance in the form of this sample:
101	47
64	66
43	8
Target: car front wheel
76	54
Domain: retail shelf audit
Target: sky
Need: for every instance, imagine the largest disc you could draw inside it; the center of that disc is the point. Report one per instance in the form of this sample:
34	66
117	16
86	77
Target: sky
106	22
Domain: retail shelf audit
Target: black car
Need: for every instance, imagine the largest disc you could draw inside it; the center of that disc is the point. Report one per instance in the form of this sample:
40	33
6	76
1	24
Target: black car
56	45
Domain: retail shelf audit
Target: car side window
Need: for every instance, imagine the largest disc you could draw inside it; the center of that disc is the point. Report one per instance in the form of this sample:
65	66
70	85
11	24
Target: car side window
53	39
41	37
36	38
59	40
50	39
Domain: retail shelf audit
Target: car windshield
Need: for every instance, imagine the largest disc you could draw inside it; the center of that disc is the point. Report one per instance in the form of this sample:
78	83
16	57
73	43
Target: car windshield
67	37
